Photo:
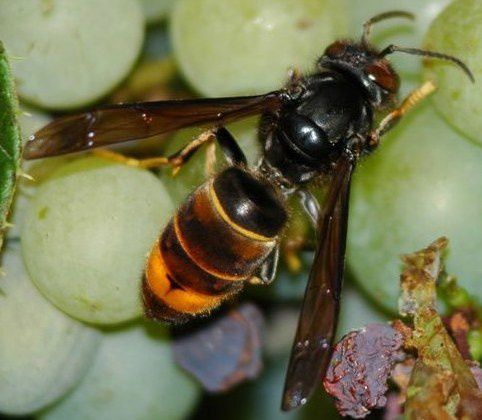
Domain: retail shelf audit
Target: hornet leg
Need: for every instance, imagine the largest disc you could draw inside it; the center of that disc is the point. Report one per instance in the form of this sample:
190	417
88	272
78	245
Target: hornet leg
293	246
228	144
232	151
268	270
311	206
396	115
176	160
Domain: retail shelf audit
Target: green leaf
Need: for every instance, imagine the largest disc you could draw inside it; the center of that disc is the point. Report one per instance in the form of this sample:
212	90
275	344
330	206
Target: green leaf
10	139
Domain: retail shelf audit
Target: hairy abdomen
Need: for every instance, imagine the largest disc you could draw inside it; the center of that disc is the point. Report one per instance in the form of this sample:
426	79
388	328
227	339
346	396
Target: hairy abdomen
216	241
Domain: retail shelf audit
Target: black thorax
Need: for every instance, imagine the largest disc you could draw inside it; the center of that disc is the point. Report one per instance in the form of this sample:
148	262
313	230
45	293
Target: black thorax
307	135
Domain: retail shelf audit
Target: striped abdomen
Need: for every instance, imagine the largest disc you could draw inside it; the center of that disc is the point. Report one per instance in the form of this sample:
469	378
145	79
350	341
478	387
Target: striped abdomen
218	239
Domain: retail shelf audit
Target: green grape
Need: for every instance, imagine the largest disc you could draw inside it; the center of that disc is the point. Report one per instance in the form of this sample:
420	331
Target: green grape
423	182
70	53
397	31
156	10
247	46
30	121
43	352
133	377
87	233
458	31
193	173
357	311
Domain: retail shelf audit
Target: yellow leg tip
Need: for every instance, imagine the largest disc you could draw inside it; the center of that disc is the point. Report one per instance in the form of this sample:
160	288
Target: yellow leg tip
292	261
255	280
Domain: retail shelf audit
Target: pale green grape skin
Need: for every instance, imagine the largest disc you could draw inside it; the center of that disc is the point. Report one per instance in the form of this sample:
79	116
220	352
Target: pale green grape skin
30	121
69	53
247	46
458	31
422	183
133	377
156	10
357	311
43	353
87	234
193	173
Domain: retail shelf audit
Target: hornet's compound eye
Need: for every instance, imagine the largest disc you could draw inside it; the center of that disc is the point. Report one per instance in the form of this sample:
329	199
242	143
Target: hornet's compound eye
382	74
336	50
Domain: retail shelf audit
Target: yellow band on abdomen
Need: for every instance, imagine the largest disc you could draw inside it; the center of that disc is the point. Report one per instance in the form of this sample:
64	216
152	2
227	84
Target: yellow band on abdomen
245	232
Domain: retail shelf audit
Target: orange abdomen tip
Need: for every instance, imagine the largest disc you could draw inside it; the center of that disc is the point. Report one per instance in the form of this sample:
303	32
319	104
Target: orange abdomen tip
164	288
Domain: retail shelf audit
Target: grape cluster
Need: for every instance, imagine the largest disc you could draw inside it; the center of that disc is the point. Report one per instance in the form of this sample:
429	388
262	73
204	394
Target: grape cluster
72	340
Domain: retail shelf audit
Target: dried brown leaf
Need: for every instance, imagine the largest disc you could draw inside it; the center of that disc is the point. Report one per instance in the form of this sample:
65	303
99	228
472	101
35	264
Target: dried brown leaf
459	328
431	394
422	268
441	385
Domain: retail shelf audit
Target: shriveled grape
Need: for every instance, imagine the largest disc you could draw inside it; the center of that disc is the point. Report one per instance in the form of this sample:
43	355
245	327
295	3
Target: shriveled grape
86	236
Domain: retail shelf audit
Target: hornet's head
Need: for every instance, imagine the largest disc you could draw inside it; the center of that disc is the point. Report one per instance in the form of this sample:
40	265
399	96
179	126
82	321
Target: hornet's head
369	67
